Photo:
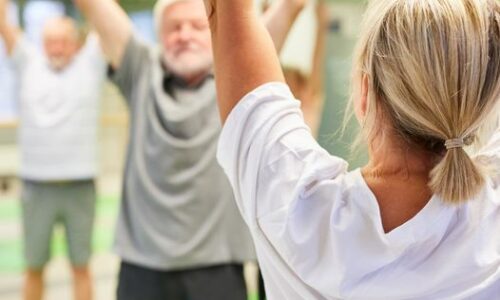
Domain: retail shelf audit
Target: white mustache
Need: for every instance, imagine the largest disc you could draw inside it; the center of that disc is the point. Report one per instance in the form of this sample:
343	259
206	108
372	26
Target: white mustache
57	63
189	48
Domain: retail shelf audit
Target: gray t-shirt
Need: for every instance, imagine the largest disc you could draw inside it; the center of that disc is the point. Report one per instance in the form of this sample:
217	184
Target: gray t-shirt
178	209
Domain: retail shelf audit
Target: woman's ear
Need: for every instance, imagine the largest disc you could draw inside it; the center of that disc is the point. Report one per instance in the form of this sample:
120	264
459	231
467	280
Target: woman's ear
363	101
210	8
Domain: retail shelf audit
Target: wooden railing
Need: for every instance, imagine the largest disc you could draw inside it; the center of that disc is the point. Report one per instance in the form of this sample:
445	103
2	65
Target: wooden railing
107	120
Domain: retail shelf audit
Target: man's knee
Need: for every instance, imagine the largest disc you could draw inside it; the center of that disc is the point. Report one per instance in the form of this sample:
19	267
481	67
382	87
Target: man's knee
81	271
34	273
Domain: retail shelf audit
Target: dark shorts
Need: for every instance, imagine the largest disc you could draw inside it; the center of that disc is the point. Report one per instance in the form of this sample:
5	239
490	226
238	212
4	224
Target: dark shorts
223	282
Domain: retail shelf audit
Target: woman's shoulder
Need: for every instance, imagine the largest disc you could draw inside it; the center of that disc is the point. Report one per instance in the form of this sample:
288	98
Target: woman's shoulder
345	195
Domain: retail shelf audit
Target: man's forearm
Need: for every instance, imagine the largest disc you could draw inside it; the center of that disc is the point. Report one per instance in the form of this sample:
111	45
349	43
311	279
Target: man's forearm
8	32
111	24
313	102
10	36
279	19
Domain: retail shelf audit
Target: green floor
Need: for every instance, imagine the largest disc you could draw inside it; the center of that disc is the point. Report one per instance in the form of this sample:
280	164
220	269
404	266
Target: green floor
11	257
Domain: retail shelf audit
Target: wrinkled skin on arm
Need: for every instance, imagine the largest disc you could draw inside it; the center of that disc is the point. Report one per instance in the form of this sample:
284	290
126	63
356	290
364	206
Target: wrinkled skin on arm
111	24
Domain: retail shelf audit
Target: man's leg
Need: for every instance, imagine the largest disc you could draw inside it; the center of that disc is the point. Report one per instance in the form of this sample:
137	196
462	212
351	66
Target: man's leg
83	283
39	213
78	217
33	285
224	282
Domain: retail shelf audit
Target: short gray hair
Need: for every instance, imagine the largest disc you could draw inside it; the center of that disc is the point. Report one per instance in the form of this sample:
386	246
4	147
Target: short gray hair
158	11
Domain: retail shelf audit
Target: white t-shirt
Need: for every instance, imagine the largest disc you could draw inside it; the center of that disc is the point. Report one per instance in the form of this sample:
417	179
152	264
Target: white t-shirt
318	230
59	113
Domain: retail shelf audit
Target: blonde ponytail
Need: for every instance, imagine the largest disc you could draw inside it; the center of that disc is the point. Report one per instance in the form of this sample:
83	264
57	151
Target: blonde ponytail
457	178
433	68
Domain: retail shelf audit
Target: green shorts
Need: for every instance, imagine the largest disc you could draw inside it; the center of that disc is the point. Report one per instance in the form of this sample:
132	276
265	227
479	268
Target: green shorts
71	204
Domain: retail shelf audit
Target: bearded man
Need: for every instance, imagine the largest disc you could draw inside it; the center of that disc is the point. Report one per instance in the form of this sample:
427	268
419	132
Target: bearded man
180	234
59	93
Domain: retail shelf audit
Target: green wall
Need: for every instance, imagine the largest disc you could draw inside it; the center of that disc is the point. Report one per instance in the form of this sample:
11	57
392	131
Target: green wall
341	42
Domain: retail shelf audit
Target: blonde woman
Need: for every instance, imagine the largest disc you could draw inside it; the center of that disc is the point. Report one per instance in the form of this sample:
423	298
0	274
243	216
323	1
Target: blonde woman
422	219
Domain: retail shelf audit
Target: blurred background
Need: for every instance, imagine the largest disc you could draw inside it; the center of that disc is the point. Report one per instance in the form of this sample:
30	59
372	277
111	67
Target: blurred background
345	17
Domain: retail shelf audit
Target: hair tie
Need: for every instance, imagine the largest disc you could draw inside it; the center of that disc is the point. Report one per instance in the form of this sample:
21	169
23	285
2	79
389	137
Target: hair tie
458	142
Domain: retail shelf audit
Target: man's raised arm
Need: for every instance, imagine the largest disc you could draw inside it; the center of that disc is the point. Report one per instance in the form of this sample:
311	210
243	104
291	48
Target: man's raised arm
9	32
111	24
279	19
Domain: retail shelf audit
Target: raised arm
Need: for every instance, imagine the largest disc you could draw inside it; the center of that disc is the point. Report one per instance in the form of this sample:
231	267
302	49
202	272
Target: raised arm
317	73
279	19
9	32
111	24
312	105
245	56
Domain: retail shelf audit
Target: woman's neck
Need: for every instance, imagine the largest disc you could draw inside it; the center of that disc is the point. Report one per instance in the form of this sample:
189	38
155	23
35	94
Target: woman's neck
398	176
391	156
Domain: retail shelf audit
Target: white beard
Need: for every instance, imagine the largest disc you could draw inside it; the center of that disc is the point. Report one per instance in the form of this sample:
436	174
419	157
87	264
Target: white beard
57	63
189	63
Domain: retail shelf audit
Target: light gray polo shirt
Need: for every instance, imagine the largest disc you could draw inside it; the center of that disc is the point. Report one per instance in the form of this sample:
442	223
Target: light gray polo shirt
178	210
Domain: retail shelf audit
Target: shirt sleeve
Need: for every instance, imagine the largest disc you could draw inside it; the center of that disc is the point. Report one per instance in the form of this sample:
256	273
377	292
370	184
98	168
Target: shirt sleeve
23	53
93	52
270	155
134	64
